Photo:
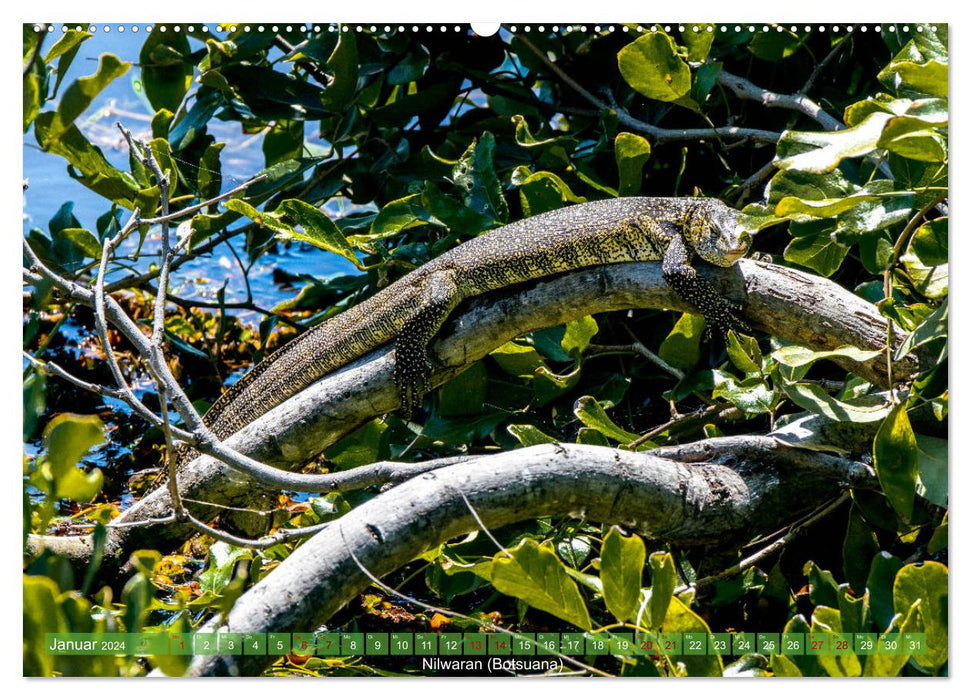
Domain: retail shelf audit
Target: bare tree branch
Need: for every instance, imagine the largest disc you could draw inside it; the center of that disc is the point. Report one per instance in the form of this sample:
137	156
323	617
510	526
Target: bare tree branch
684	504
659	134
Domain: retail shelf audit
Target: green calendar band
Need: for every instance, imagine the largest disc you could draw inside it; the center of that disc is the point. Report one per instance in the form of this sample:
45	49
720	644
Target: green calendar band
573	644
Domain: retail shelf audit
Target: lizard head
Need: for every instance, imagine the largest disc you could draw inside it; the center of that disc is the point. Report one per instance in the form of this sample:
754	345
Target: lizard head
712	229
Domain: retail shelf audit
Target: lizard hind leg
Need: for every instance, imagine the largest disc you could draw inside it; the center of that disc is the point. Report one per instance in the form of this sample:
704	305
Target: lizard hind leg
413	363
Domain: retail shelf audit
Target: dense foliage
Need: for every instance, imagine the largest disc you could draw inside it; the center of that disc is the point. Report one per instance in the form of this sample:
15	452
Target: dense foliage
387	147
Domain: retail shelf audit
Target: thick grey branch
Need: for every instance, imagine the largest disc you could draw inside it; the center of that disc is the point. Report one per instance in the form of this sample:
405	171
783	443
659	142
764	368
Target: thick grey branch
767	486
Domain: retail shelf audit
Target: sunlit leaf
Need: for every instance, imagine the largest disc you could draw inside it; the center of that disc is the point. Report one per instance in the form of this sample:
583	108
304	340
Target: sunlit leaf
895	460
651	65
621	566
534	574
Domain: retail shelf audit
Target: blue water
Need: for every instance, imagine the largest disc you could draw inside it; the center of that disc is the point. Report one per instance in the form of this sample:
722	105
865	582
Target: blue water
51	185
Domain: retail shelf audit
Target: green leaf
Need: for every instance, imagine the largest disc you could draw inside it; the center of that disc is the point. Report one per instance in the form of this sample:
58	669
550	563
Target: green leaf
549	386
31	99
826	620
774	46
592	415
929	78
823	589
34	402
465	394
854	610
744	353
631	153
680	618
56	133
268	220
798	356
885	665
318	229
534	574
283	142
879	584
651	66
524	137
811	397
895	461
698	40
931	328
360	447
210	179
221	566
859	547
41	615
682	347
820	152
64	52
542	191
932	469
529	435
913	138
84	240
926	259
166	68
807	665
398	215
808	186
933	111
577	336
621	565
783	667
67	438
664	578
938	541
452	212
343	64
751	395
93	170
82	92
475	175
518	360
925	584
820	253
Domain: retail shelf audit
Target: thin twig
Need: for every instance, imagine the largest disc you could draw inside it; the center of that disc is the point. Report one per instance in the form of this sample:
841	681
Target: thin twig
754	180
747	90
635	348
817	71
758	556
453	614
728	411
659	134
482	525
171	456
202	205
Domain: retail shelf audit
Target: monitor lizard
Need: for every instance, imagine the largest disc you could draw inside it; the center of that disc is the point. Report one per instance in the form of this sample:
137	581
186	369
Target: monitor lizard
411	310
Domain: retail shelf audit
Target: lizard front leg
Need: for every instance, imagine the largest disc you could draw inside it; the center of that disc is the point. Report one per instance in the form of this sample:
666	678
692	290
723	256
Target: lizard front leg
720	314
413	366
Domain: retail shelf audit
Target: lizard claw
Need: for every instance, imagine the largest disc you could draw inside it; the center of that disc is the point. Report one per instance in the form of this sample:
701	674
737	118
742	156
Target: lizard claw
727	321
411	379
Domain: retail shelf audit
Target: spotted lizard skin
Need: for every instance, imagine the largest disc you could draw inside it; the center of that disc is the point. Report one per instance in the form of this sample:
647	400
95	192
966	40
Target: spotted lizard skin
410	311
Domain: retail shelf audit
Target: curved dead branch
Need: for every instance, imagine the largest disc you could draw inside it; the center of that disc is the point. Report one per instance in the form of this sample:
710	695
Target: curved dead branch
749	485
